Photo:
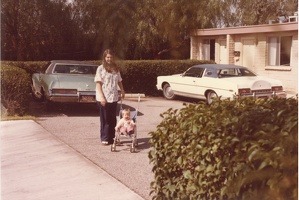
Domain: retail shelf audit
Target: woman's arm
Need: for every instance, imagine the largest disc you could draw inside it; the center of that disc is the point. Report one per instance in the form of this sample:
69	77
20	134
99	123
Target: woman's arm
120	84
101	93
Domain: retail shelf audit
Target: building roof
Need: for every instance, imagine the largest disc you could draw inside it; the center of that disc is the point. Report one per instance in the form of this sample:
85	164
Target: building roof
264	28
218	66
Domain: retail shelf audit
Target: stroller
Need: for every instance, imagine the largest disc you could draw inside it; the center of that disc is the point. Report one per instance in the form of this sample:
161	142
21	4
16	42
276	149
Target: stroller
132	135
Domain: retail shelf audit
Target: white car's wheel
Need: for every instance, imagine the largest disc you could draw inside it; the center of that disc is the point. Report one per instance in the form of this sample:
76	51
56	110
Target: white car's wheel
211	96
167	92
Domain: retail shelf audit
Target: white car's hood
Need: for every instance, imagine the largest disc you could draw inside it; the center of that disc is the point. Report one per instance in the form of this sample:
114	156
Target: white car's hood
254	82
79	82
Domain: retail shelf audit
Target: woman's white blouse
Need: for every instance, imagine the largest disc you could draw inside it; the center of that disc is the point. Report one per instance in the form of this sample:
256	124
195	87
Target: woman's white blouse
109	84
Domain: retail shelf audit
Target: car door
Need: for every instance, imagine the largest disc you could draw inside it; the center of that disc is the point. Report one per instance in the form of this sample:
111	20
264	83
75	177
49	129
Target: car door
208	81
186	85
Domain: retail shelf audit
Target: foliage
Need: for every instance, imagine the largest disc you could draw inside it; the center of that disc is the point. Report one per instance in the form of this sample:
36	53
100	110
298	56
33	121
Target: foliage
15	90
138	77
136	30
254	12
36	30
141	76
30	67
240	149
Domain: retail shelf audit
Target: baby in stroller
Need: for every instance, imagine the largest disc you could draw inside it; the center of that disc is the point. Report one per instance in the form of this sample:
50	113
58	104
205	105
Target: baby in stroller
125	125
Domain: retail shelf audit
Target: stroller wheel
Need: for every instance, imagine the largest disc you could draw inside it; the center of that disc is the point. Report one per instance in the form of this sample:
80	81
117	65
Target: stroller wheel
117	142
113	147
132	148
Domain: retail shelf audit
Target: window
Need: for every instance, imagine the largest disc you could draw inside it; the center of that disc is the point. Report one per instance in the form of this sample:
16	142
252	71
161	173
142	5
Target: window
279	51
208	49
233	72
194	72
75	69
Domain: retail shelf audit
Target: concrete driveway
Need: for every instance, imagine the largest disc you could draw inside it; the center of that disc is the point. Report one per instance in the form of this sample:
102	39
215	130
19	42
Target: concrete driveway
67	158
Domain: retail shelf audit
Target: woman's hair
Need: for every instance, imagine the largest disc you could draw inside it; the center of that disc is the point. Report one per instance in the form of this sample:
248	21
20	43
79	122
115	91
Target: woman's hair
109	67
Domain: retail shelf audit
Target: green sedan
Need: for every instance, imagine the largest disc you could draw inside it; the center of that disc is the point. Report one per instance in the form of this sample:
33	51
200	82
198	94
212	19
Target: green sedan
65	81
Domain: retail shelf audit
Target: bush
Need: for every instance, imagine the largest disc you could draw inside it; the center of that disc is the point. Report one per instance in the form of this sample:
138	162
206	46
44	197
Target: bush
241	149
138	77
141	76
15	90
29	66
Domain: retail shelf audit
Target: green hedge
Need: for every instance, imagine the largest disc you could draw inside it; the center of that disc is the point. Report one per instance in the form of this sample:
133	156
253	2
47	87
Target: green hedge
29	66
15	90
241	149
138	77
141	76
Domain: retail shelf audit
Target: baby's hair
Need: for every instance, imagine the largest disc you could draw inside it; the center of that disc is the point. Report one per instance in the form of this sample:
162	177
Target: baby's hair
125	111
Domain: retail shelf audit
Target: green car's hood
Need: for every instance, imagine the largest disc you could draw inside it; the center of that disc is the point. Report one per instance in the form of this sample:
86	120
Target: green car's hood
79	82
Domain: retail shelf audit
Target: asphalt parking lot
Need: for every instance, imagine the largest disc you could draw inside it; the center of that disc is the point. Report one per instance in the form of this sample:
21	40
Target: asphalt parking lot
78	127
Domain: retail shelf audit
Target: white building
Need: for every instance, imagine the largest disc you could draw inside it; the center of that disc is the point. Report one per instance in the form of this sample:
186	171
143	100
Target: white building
269	50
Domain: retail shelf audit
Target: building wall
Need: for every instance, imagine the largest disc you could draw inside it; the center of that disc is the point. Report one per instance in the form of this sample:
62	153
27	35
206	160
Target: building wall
287	74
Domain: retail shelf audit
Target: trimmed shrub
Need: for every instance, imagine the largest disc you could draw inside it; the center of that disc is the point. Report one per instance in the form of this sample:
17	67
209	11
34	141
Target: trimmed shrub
141	76
241	149
138	77
15	90
29	66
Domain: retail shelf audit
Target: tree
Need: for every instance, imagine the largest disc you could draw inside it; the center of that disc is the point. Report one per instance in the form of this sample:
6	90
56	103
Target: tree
35	29
254	12
135	29
106	24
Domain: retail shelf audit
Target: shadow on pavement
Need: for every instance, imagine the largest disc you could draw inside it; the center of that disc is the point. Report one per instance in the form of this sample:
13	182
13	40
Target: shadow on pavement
43	109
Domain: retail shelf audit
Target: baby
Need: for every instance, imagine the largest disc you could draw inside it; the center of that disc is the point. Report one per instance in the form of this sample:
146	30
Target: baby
126	124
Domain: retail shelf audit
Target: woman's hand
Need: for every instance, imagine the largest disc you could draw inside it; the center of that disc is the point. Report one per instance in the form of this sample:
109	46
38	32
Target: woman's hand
103	103
123	94
122	91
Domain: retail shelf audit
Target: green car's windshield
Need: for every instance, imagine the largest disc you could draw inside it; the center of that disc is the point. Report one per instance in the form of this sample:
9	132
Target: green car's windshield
75	69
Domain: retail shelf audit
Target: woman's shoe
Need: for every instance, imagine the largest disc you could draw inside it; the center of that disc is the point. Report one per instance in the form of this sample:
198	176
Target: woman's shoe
104	142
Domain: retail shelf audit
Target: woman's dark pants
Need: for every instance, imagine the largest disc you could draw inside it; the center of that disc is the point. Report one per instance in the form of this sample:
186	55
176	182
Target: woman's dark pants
108	121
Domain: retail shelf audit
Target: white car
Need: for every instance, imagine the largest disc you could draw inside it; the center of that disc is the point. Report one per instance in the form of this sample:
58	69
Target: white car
208	81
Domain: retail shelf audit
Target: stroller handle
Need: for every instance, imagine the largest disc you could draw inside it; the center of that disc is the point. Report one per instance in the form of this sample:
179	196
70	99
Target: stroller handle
139	99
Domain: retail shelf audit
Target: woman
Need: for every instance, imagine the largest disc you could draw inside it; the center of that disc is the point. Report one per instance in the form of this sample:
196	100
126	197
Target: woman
107	79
